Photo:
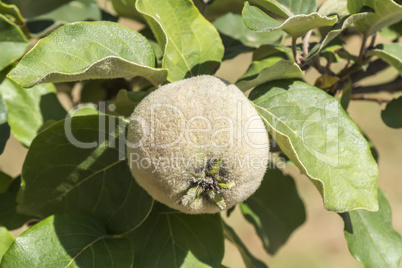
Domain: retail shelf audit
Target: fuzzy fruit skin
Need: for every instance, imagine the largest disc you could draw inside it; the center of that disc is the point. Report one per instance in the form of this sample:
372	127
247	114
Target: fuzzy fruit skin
171	135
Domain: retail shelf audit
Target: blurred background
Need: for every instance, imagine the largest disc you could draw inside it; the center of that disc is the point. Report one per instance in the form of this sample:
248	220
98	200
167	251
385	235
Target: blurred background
319	242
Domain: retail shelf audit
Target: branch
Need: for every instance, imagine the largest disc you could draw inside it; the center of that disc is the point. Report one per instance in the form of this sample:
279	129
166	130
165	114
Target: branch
294	51
393	86
306	43
366	98
373	68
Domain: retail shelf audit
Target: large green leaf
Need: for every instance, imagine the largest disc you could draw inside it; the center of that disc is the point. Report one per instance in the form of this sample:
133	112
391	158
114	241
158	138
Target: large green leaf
249	260
9	217
373	241
237	38
29	109
288	8
192	45
88	50
4	127
275	210
386	13
169	238
269	69
30	9
72	240
257	20
391	53
12	42
392	115
13	11
79	165
318	136
6	239
73	11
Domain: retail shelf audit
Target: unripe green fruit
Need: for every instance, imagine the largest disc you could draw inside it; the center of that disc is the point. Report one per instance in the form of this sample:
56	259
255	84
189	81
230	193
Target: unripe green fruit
197	145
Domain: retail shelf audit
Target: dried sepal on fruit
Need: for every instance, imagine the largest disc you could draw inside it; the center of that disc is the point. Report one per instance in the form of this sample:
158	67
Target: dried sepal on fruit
197	145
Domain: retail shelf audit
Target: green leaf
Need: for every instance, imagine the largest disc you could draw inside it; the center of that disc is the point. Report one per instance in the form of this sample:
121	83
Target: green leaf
257	20
30	9
237	38
169	238
126	101
9	217
269	69
12	42
192	45
346	95
288	8
318	136
392	115
111	51
5	182
79	165
275	210
392	32
4	126
72	240
336	30
391	53
386	13
73	11
13	11
6	239
219	8
29	109
249	260
374	242
126	8
331	7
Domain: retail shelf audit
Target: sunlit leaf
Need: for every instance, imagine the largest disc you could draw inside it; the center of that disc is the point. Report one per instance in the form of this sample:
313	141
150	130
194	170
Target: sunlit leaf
374	242
192	45
111	51
318	136
297	25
